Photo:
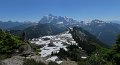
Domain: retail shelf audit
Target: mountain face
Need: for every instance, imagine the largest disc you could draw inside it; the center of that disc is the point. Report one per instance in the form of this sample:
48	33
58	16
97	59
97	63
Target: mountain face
104	31
42	30
9	24
86	40
39	30
22	26
58	20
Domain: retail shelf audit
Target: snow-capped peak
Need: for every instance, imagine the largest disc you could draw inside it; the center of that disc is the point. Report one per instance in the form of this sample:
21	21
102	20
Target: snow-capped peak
57	20
97	21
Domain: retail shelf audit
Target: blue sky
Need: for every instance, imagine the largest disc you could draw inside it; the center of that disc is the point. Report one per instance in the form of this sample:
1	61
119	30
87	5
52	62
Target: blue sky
33	10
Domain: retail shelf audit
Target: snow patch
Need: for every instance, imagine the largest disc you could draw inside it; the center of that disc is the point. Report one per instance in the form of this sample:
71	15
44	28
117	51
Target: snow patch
52	44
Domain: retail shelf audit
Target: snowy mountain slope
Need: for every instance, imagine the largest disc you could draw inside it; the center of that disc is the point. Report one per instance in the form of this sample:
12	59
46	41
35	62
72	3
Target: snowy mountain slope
52	44
58	20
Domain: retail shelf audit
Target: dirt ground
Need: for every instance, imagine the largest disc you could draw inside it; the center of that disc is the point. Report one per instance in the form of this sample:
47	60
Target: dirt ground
68	63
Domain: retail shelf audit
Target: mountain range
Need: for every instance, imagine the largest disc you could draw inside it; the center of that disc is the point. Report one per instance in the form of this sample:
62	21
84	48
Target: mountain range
104	31
9	24
50	24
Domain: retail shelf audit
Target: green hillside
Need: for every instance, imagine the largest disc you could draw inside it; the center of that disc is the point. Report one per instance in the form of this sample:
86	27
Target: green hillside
10	44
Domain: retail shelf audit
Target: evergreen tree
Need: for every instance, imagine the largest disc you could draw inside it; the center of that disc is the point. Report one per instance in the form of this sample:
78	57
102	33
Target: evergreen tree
24	36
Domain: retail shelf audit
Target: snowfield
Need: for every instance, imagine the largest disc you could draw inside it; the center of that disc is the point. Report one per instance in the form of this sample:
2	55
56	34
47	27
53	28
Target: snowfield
53	44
